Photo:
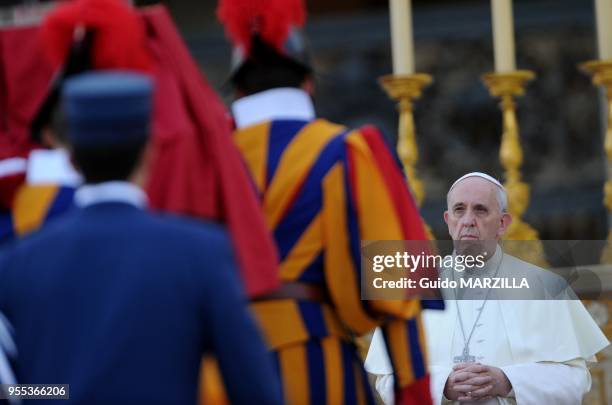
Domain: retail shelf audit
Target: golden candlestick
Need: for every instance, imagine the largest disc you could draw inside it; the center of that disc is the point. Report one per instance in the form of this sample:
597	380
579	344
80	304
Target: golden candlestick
405	89
507	86
601	71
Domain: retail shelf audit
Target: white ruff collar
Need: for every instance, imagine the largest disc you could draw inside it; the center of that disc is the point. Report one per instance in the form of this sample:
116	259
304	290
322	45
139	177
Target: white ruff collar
51	167
281	103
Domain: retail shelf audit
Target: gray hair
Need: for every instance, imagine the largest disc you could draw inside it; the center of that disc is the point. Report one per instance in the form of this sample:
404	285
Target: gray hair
502	198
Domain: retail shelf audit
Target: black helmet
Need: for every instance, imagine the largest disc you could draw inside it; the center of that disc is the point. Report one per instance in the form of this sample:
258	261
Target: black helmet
77	61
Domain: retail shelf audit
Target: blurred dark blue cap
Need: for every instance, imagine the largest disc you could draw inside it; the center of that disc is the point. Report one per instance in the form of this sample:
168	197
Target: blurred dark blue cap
108	108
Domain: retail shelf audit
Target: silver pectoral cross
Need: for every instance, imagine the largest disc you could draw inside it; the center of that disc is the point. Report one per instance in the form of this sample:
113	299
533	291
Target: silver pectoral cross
465	357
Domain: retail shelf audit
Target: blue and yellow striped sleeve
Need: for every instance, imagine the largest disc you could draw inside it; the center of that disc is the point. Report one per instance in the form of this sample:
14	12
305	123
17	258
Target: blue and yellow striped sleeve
366	200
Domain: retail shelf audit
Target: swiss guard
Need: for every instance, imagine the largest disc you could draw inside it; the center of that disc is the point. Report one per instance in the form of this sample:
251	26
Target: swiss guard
323	188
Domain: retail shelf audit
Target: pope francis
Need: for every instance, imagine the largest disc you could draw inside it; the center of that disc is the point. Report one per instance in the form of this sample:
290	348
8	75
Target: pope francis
489	351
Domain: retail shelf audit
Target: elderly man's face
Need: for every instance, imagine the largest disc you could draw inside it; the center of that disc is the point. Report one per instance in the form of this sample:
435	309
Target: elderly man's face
474	212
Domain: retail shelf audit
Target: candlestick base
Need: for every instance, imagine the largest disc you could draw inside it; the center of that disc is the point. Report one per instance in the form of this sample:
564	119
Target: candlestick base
399	87
601	73
600	70
405	89
507	86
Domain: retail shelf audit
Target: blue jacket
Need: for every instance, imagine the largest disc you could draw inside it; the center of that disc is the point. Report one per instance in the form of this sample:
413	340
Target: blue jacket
122	304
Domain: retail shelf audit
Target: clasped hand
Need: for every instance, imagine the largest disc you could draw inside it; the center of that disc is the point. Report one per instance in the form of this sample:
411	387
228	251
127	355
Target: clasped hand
476	382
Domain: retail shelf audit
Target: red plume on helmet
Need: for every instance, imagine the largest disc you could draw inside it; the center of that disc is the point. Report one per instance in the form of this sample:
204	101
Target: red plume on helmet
119	34
272	20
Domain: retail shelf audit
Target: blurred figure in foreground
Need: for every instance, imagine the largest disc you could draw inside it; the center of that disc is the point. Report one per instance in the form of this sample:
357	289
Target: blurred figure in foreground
119	303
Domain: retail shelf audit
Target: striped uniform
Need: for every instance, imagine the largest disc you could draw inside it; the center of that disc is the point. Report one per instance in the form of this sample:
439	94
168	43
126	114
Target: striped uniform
324	188
33	206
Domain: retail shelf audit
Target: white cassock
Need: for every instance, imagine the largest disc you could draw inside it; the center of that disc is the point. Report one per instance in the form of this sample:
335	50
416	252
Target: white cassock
542	346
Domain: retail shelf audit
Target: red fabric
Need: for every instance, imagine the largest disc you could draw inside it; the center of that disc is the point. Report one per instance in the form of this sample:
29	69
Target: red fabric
194	169
417	393
3	101
412	224
198	170
23	82
114	23
26	79
411	221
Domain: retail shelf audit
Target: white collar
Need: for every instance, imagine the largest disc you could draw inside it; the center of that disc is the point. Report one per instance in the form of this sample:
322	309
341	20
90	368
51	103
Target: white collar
110	191
51	167
13	166
280	103
491	266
